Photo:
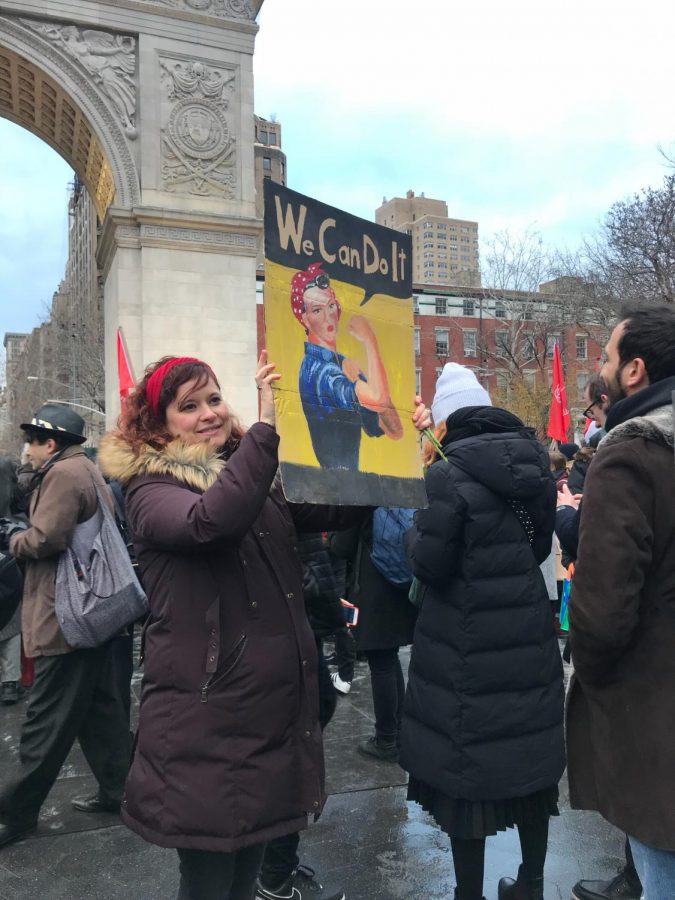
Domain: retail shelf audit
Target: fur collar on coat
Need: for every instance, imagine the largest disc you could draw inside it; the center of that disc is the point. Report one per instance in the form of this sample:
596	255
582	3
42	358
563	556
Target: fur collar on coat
196	465
656	425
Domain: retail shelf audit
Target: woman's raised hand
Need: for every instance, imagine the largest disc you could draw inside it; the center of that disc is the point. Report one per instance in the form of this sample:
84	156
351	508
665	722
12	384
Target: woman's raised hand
422	415
264	378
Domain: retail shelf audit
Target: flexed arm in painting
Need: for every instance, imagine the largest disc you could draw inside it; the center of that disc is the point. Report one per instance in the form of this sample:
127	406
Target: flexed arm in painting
374	392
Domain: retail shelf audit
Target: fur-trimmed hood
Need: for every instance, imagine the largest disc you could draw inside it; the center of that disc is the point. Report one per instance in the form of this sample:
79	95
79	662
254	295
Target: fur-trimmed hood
656	425
196	465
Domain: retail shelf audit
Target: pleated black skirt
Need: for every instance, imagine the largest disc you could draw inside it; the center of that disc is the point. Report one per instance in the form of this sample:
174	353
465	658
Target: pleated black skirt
480	818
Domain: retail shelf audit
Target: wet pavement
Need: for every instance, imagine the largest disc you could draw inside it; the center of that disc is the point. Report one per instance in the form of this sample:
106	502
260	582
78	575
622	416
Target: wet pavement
369	841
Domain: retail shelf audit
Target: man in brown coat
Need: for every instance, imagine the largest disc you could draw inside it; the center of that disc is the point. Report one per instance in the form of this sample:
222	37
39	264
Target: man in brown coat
74	694
621	709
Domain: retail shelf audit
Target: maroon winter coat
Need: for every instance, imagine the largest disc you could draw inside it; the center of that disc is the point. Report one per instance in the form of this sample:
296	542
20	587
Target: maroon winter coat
228	751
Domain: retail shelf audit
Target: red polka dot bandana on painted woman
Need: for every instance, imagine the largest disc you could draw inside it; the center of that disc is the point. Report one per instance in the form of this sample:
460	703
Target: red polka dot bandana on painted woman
313	276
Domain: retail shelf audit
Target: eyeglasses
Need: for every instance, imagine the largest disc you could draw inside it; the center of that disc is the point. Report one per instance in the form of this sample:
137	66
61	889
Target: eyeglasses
321	281
588	412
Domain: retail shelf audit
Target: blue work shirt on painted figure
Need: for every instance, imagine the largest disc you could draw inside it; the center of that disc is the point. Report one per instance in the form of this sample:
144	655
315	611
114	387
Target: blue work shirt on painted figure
333	412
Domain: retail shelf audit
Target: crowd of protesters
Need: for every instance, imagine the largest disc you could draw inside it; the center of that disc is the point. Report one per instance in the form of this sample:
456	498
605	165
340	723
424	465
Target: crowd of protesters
244	589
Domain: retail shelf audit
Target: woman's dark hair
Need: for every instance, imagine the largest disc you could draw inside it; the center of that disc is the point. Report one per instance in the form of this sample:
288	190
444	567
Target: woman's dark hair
139	425
649	333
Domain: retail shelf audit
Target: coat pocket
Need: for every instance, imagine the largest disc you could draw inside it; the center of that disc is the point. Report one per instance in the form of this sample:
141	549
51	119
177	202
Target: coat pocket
230	662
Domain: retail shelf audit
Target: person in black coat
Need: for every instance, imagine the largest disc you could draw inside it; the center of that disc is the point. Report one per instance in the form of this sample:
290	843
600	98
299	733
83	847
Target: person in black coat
482	734
386	623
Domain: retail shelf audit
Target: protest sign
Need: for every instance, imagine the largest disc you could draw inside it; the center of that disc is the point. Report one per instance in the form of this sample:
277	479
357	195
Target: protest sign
339	326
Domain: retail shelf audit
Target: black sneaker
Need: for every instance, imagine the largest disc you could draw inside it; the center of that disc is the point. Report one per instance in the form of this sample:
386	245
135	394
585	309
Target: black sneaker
384	750
302	885
622	887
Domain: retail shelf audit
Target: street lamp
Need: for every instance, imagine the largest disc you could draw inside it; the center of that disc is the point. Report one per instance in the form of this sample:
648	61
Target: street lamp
47	378
79	405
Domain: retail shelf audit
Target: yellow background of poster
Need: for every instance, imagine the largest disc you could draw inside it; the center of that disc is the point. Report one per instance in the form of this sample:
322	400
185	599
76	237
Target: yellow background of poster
392	320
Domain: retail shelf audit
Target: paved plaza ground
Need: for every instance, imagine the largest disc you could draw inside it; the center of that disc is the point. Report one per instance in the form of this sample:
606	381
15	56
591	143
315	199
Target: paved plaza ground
369	840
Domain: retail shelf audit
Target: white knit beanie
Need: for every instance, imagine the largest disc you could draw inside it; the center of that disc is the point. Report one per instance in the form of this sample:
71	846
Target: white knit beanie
457	387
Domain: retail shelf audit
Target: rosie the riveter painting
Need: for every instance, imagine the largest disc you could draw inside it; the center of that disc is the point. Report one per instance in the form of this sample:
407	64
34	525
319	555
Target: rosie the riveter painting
339	326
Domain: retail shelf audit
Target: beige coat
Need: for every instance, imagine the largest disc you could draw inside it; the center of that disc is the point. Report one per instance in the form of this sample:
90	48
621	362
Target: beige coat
64	496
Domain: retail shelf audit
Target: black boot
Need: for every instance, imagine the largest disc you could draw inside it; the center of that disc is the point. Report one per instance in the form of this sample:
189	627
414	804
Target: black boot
458	896
521	889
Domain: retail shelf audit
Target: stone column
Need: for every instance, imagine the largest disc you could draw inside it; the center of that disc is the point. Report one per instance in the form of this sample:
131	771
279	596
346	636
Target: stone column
179	269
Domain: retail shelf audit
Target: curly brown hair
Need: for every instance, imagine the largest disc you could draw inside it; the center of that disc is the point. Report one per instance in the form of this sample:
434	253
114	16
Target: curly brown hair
138	423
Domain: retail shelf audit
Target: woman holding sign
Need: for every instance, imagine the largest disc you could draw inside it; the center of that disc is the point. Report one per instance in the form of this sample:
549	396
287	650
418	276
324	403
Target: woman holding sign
228	753
338	398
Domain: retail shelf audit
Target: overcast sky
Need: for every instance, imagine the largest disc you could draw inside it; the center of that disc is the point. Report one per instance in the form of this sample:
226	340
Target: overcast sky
519	114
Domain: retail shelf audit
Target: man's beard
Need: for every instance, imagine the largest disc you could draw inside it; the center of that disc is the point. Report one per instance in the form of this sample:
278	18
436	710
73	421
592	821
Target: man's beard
615	390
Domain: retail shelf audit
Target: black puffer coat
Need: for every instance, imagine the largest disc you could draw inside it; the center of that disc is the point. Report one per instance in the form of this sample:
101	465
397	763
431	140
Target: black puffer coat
484	707
320	586
386	617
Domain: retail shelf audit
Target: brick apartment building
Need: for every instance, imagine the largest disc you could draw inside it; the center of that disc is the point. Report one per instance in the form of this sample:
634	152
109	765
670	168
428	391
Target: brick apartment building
489	332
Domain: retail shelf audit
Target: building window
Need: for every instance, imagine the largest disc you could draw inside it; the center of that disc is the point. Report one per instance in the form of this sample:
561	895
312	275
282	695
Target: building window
418	381
262	137
442	338
551	341
429	245
530	378
468	306
441	226
267	163
582	380
582	346
417	341
439	372
528	349
469	342
502	382
441	306
416	306
442	246
500	308
428	234
272	139
501	343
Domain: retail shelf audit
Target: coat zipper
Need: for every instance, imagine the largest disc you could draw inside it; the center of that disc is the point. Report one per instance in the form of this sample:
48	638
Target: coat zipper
238	650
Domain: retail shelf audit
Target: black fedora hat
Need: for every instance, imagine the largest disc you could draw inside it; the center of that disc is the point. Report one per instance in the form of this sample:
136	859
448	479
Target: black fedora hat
59	420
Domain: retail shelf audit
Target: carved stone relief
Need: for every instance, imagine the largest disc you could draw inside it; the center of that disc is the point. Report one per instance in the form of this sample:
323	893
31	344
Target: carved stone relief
108	59
198	149
228	9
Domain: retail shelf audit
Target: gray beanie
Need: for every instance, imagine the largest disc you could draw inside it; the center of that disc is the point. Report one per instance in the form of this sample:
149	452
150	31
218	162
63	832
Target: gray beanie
457	387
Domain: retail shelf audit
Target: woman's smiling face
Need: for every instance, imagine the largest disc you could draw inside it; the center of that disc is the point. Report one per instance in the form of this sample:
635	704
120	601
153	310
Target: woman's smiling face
199	415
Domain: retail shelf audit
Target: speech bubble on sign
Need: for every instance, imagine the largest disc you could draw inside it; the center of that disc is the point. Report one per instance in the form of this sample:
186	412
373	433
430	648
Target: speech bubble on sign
300	231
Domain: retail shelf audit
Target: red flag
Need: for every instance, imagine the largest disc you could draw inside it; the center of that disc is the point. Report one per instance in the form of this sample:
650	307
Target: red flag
559	420
126	379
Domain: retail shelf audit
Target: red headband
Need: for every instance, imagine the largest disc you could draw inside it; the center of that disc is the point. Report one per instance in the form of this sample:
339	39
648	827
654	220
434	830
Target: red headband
153	388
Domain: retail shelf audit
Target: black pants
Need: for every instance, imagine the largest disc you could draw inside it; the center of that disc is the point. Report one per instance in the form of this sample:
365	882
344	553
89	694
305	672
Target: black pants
345	652
388	686
122	653
219	876
281	855
468	856
74	696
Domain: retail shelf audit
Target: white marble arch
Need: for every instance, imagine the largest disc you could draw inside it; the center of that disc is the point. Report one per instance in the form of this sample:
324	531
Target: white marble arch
151	102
